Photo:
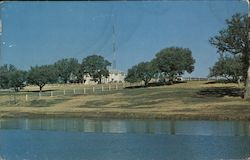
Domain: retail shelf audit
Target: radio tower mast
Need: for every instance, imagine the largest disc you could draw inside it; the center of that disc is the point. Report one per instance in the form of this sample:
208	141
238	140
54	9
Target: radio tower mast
1	33
114	49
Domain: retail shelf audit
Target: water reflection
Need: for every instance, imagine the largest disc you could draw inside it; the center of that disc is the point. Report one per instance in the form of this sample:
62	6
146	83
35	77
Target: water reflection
218	128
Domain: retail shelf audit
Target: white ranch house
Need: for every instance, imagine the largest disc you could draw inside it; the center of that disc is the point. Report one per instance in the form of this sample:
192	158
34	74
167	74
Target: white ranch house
115	76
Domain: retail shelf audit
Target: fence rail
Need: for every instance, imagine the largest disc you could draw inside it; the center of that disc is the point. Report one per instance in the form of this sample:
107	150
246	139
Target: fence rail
31	93
199	79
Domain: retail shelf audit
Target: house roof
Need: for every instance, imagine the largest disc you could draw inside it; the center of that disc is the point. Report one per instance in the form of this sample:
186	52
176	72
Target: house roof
115	71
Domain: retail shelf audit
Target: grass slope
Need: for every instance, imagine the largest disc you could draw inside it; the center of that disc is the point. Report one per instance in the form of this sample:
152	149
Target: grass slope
192	100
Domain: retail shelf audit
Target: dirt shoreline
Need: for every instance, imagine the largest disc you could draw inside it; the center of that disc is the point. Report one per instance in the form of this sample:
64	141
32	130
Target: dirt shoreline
125	115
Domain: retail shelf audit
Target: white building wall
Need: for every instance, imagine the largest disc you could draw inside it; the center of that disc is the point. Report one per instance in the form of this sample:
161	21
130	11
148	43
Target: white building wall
114	76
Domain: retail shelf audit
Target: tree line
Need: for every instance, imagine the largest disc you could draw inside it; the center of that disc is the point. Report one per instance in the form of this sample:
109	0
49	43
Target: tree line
233	46
63	71
167	65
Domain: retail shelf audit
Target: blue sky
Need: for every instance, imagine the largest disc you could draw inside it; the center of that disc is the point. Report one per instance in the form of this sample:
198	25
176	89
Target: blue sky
36	33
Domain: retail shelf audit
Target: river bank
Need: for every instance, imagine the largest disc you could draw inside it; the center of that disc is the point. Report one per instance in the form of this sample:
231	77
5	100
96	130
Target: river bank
122	115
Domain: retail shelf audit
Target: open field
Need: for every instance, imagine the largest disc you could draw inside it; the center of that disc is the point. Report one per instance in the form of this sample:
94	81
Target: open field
191	100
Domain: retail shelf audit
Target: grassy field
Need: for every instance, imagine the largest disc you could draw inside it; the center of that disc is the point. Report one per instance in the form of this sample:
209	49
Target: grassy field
191	100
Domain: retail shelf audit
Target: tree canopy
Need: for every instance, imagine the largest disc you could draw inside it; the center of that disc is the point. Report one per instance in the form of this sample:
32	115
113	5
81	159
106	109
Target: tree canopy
4	75
17	79
228	67
42	75
96	67
174	61
169	63
143	71
234	40
67	70
66	67
11	77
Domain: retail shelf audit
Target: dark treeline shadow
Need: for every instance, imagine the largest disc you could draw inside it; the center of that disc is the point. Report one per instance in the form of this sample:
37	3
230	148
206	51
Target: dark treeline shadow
49	90
221	92
155	84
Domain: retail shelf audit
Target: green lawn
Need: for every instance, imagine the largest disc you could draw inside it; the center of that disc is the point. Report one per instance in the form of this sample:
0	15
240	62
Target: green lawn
191	100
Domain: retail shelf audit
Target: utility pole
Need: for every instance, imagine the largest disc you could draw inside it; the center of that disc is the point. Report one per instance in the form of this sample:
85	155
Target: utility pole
1	33
114	49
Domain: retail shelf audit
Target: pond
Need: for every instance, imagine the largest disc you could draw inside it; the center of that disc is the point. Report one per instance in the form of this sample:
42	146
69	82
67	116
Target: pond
105	139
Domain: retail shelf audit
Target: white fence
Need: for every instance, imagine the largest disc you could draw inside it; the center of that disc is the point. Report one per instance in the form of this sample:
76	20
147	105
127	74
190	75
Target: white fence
59	91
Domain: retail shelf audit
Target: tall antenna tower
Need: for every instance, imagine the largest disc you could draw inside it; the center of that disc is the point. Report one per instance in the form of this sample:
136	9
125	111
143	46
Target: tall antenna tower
1	33
114	49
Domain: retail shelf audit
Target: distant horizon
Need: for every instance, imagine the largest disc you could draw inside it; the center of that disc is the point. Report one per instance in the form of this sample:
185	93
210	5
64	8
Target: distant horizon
39	33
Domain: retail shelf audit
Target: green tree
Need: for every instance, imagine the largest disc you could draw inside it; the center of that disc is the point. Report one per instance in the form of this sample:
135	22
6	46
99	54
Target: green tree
17	79
230	68
4	76
96	67
143	71
66	67
11	77
42	75
174	61
234	40
132	75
